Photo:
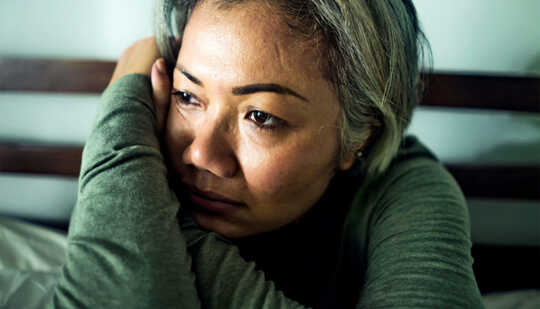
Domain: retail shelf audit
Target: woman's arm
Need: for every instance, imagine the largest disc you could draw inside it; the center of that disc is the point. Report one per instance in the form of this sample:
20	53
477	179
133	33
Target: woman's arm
224	278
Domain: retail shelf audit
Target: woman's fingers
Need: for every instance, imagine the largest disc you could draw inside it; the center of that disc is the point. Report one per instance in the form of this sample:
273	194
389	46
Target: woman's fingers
161	89
138	58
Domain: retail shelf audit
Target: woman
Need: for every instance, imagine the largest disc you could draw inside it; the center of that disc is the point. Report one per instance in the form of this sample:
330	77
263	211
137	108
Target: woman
282	131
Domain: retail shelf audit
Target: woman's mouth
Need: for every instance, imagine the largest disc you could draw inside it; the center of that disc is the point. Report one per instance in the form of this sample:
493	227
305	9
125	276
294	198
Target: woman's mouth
211	201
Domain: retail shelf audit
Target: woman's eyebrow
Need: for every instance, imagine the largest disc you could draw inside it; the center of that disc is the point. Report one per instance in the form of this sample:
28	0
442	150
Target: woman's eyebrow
249	89
189	76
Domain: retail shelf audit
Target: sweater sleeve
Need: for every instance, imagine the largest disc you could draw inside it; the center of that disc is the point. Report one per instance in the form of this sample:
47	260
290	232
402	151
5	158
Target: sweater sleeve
125	248
418	242
125	245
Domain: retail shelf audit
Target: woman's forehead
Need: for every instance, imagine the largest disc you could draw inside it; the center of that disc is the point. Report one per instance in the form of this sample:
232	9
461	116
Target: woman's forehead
249	42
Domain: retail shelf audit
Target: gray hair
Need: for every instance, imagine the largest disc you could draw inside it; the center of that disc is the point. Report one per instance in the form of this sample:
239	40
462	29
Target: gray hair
373	49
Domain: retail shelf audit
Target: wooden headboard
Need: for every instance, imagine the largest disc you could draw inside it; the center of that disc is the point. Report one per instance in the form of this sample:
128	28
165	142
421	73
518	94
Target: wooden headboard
521	94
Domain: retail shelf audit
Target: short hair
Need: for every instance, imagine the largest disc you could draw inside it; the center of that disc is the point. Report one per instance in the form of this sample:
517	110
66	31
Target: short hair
373	51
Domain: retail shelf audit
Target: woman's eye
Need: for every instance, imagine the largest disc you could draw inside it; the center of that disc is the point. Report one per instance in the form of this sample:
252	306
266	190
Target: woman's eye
185	98
264	120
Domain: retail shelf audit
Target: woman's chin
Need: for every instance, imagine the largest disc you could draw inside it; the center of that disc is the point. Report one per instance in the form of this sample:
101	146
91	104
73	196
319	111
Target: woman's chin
220	225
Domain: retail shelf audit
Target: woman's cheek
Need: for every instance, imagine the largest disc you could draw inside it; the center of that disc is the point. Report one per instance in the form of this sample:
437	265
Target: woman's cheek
273	174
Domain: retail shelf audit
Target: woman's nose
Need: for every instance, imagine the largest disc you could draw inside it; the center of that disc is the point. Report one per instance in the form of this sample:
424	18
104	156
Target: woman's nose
210	150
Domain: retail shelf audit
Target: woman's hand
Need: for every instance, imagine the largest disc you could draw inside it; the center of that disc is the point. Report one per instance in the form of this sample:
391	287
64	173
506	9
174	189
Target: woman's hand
161	92
143	58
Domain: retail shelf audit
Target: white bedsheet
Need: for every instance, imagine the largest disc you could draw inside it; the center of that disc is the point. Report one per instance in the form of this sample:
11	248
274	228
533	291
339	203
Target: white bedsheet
30	261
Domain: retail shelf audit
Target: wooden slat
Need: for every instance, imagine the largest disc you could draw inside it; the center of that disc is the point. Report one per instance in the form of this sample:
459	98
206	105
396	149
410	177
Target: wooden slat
513	182
55	75
442	89
483	92
53	160
506	268
494	182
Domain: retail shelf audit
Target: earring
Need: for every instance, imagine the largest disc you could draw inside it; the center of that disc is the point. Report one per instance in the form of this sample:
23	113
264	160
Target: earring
359	154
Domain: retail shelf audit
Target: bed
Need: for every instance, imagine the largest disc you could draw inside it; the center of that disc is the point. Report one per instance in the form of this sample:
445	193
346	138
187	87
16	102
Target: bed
443	90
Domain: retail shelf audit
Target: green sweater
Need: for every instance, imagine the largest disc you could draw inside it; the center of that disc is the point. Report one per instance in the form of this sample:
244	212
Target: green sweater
400	240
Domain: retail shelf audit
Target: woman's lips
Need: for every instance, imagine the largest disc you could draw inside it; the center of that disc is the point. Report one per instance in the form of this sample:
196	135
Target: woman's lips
212	201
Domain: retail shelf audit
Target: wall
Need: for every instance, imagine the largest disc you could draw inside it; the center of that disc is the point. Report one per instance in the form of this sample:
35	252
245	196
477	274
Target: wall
493	36
496	36
97	29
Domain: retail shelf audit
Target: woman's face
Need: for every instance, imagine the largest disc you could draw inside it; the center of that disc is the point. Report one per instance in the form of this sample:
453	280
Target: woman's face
252	129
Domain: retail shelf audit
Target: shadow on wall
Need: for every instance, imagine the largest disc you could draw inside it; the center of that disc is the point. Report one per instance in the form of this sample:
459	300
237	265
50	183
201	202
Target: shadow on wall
534	66
523	150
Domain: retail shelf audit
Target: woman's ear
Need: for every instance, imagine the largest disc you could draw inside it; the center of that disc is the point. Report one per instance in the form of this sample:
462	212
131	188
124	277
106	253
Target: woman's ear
347	162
